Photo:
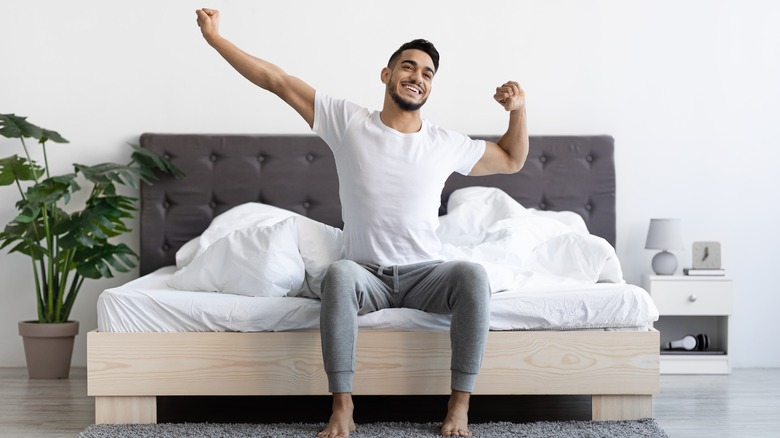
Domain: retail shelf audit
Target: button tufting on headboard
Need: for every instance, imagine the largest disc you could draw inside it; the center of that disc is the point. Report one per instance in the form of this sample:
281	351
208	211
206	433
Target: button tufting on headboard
298	173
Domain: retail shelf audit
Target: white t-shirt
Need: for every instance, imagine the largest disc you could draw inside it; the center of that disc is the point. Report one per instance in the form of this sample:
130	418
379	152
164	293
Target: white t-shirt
390	183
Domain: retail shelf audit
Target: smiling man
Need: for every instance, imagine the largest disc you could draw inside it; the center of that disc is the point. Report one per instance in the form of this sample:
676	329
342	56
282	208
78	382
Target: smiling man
392	165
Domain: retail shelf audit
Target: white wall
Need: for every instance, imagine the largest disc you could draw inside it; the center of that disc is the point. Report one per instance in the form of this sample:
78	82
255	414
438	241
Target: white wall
688	89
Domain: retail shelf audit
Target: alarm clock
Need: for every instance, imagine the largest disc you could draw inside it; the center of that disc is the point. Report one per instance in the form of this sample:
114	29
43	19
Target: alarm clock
706	255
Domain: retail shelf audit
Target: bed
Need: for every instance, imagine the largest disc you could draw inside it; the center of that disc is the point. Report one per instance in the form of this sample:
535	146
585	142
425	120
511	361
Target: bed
129	369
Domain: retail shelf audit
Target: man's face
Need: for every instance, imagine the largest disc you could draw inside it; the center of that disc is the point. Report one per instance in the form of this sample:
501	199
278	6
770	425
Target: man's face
409	80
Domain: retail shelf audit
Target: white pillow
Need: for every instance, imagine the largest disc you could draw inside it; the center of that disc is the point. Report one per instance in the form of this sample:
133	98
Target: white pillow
186	253
320	245
256	261
575	257
568	218
474	213
471	210
251	214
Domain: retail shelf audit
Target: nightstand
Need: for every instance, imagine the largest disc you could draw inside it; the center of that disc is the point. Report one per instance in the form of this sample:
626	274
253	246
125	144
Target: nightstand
689	306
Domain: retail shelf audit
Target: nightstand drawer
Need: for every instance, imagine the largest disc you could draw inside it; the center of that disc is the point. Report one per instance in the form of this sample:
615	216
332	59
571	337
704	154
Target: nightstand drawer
692	298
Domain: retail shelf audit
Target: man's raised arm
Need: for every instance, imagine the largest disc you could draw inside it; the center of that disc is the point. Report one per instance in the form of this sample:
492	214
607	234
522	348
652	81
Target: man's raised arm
295	92
509	153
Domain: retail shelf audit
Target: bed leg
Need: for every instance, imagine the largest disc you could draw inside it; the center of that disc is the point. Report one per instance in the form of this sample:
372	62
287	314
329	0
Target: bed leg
125	410
622	407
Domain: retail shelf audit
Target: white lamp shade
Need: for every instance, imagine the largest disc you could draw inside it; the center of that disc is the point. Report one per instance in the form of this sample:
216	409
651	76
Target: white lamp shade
665	234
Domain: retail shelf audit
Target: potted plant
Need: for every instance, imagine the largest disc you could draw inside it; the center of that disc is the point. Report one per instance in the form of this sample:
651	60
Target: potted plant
66	244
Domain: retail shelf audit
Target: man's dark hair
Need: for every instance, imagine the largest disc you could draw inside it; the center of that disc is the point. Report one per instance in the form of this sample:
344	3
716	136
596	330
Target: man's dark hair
418	44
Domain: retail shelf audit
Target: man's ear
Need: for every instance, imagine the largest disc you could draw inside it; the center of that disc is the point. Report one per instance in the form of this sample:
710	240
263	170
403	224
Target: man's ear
385	75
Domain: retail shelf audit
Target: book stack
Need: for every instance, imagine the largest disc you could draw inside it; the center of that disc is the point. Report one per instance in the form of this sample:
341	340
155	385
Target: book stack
704	271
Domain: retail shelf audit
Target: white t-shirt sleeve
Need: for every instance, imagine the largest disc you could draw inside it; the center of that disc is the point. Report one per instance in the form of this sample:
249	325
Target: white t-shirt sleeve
470	151
332	117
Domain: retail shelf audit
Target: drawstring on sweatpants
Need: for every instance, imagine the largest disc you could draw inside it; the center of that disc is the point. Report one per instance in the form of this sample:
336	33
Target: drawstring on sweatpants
396	282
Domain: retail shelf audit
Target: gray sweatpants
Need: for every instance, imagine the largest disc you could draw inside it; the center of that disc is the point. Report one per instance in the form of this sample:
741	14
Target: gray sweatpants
350	289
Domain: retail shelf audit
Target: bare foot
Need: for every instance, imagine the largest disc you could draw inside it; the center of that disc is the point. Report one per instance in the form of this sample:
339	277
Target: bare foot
457	421
341	422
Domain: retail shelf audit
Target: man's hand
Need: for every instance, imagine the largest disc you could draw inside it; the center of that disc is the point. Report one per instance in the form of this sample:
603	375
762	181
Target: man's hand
510	96
208	20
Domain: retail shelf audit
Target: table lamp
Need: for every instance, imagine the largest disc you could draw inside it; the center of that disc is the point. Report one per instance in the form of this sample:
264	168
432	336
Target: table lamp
664	234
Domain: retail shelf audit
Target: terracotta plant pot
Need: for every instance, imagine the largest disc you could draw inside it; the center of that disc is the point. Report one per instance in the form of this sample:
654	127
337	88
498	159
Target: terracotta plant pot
48	348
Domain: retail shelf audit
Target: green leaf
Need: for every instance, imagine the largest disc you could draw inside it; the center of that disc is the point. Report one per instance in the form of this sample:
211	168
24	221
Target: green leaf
97	262
13	233
108	173
101	219
51	135
62	224
76	240
27	212
125	204
51	190
26	236
149	161
31	249
124	258
13	126
15	168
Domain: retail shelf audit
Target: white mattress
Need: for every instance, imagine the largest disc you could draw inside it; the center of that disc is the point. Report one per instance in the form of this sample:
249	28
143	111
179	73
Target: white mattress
147	304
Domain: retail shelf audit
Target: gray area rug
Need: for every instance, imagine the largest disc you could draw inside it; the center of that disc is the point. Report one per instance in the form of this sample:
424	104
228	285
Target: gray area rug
554	429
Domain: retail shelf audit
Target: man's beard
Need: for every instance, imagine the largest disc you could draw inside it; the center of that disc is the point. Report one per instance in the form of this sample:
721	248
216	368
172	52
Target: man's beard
406	105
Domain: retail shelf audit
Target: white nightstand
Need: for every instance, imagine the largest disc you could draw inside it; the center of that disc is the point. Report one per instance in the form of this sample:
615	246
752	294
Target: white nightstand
690	306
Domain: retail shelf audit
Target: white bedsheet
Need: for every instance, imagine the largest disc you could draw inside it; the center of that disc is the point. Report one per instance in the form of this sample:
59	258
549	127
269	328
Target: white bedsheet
148	304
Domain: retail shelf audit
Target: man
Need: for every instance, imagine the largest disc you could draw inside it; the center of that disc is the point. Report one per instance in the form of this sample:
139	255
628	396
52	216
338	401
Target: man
392	166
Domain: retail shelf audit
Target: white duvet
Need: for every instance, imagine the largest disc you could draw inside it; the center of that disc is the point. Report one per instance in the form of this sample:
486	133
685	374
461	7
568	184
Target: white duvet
260	250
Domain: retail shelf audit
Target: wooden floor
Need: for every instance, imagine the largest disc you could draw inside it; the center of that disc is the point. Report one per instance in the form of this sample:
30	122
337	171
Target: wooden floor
743	404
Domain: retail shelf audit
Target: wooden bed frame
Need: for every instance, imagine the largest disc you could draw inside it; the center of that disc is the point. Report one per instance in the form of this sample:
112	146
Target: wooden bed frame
128	371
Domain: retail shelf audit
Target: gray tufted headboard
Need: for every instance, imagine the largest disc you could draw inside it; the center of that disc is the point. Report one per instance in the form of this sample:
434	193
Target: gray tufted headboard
298	173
